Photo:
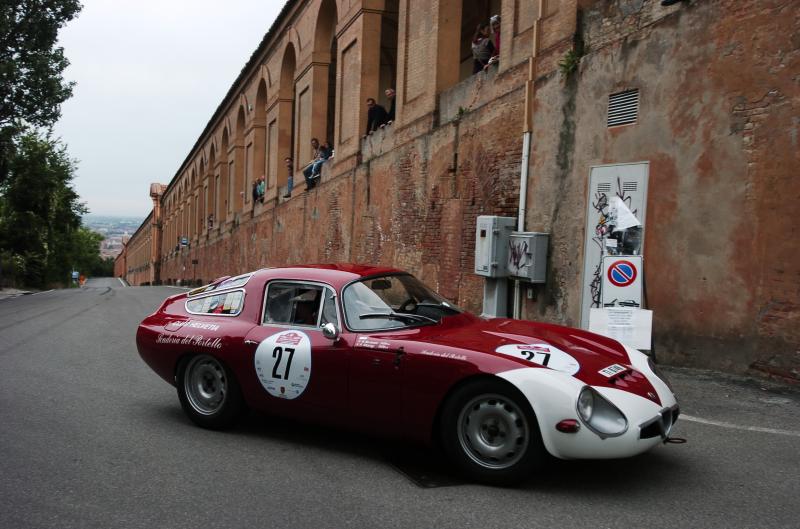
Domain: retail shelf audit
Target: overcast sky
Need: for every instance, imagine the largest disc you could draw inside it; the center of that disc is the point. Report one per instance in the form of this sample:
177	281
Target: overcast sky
149	76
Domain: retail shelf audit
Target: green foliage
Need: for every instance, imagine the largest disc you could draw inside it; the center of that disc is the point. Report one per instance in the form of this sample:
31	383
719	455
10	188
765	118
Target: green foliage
41	237
569	63
31	65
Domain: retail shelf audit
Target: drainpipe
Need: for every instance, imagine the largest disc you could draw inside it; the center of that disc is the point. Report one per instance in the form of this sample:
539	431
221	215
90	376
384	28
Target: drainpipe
526	148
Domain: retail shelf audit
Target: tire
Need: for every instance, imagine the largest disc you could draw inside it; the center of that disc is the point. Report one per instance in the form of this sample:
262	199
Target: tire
209	393
490	433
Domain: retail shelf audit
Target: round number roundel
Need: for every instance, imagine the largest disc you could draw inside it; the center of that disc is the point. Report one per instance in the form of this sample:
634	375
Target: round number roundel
283	364
543	354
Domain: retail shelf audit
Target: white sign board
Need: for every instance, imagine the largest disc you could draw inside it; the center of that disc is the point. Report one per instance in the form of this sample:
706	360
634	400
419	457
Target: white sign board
622	281
633	327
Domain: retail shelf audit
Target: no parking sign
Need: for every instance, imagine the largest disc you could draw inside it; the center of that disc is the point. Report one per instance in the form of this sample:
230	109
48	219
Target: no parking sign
622	281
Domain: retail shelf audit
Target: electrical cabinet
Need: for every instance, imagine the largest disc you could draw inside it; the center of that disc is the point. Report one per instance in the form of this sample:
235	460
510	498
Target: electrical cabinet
527	256
491	245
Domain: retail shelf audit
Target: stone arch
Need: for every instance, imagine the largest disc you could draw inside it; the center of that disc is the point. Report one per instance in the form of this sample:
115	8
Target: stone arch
238	178
213	185
259	136
286	101
202	207
224	188
192	202
472	13
326	52
387	77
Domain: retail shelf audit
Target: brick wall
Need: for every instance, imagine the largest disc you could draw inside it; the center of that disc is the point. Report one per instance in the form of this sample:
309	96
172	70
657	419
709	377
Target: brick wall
717	125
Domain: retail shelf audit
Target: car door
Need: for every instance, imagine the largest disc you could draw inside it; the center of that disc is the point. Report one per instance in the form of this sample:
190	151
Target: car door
300	372
376	383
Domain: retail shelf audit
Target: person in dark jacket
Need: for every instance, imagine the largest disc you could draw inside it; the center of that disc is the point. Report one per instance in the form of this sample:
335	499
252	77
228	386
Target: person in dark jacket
376	116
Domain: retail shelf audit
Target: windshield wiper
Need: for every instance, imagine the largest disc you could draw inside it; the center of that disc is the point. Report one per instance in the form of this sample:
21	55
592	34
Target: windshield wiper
438	306
402	316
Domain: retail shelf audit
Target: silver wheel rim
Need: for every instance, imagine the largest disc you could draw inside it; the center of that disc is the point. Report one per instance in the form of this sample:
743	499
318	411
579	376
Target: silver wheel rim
493	431
205	384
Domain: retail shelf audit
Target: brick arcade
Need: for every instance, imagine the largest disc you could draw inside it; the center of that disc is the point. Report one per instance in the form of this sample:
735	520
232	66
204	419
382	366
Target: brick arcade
716	126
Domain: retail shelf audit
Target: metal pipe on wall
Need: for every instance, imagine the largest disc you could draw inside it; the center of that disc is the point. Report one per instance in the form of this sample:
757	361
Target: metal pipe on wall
527	139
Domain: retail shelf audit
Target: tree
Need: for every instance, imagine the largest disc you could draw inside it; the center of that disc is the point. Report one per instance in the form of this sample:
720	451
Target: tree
31	65
40	213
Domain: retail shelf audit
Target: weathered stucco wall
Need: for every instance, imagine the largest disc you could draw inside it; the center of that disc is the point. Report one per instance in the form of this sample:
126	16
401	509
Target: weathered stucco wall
718	124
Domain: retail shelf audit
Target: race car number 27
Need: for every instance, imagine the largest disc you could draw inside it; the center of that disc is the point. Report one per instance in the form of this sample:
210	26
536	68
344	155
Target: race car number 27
543	354
283	364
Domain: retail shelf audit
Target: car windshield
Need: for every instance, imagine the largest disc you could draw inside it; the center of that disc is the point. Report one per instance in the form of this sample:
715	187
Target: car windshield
393	301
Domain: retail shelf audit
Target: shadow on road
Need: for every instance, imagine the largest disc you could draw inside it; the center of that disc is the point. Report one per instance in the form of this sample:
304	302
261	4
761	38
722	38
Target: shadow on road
426	467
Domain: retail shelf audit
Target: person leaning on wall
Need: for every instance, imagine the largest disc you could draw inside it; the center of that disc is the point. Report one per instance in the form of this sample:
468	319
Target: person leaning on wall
376	116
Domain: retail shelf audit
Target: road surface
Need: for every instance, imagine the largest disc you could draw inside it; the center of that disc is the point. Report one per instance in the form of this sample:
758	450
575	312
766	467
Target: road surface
90	437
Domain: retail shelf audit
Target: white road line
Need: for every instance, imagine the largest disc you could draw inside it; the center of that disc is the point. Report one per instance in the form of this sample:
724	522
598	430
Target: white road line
173	286
737	426
122	282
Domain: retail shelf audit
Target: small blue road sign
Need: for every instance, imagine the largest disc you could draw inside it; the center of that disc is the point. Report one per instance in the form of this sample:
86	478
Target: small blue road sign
622	273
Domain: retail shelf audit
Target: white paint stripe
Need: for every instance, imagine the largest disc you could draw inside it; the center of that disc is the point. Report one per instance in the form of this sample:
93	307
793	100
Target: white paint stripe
737	426
122	282
172	286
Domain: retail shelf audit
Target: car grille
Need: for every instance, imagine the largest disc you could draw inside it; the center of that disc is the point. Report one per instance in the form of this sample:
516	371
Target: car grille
660	425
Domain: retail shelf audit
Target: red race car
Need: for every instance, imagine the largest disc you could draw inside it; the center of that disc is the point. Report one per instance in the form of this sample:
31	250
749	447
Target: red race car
376	350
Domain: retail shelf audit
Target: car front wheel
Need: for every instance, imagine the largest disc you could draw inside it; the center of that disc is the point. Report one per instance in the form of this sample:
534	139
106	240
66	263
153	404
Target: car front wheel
490	432
209	393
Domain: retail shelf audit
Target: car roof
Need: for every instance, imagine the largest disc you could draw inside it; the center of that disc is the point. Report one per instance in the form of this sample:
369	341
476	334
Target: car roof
335	274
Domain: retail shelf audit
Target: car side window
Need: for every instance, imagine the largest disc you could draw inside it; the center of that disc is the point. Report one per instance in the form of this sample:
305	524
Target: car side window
225	304
293	304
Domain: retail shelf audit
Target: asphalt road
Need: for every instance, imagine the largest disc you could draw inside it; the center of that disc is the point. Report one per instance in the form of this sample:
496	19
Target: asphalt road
89	437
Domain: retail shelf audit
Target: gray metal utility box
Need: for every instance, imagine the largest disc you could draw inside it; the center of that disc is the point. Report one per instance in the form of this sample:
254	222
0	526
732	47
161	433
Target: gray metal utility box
491	245
527	256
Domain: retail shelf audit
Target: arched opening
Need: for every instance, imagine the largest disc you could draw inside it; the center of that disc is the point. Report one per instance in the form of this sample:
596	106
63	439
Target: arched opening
474	12
191	194
387	78
260	144
326	50
213	188
237	165
286	125
201	198
224	189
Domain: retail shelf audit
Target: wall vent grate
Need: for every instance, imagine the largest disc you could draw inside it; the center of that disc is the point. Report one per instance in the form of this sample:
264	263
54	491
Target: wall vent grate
604	187
629	186
623	108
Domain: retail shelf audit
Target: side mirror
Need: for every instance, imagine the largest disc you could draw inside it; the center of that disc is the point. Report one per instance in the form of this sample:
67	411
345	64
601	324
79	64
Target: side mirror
330	331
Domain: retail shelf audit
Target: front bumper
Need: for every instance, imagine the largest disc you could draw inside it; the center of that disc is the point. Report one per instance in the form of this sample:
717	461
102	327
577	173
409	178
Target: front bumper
552	396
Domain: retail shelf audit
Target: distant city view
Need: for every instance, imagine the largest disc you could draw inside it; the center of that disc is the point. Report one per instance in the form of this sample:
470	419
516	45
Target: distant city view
115	230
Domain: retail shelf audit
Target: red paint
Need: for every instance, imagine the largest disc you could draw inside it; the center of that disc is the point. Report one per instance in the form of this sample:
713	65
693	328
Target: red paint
374	389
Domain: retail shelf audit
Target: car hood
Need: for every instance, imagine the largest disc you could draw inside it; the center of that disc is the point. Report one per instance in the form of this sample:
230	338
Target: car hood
504	344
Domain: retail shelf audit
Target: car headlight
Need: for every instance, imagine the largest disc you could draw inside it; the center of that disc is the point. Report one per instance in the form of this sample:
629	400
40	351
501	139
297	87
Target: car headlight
586	404
660	374
599	415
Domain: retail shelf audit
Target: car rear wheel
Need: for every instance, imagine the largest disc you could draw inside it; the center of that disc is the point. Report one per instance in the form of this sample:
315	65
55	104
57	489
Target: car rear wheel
209	393
490	432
